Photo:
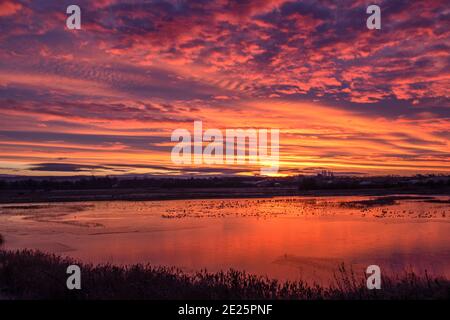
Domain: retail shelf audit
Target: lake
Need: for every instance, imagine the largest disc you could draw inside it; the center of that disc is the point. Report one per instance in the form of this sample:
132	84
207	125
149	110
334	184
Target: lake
285	237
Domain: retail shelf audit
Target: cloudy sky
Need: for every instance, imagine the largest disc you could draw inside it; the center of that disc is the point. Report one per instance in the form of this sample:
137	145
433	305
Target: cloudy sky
105	99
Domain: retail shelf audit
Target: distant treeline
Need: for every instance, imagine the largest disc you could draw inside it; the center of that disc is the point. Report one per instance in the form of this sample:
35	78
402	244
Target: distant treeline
301	182
121	183
325	183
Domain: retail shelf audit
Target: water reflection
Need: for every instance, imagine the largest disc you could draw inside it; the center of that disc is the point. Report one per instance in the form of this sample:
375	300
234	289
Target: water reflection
286	238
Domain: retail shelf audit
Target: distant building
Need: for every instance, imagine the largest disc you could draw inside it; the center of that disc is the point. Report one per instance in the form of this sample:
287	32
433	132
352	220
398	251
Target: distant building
326	174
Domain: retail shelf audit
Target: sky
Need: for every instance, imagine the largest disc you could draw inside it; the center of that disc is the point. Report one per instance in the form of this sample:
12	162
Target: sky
105	99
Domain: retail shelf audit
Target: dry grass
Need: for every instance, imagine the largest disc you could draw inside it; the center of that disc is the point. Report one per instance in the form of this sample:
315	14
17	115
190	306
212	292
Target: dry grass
34	275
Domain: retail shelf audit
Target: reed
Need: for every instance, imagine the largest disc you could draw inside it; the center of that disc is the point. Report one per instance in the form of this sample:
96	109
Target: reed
31	274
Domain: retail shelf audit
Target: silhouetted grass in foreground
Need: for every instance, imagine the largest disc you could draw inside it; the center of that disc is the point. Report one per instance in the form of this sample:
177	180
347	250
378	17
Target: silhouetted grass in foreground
34	275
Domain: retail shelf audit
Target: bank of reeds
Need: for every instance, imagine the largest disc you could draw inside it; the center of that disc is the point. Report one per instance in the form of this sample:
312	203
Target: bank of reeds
30	274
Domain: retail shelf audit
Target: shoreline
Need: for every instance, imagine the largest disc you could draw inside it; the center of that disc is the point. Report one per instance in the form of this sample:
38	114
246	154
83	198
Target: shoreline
160	194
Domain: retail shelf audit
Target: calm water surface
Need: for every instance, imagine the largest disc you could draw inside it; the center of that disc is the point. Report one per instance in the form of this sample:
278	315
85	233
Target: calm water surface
284	238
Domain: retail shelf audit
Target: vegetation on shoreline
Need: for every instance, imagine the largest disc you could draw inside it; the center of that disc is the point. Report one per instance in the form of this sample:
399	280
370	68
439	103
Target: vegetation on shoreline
31	274
299	182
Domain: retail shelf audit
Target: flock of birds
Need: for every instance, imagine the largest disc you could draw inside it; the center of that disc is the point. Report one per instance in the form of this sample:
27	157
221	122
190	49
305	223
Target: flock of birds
301	207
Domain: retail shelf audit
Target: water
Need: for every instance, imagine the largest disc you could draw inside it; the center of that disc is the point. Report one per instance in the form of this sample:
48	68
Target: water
283	238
